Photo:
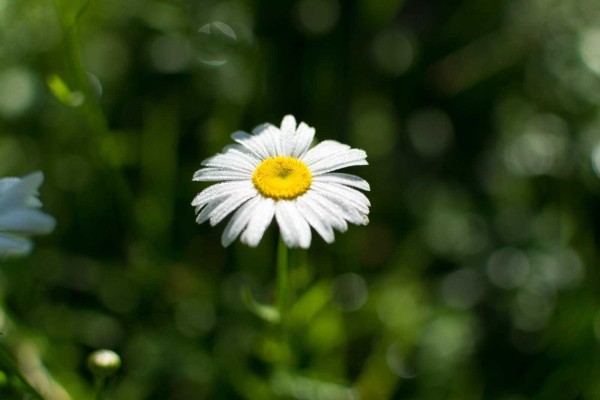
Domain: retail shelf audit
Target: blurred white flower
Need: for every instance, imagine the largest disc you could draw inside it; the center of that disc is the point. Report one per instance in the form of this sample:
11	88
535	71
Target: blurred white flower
273	174
19	213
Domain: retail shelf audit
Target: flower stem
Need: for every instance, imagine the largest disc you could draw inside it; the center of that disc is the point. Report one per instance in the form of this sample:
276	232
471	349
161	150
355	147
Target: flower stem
100	385
282	279
8	365
91	108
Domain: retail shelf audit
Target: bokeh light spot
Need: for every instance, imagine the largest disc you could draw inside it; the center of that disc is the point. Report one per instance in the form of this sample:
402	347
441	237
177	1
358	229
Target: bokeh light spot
349	291
589	48
398	363
318	16
508	268
17	91
533	306
168	53
430	131
392	51
374	126
195	317
106	56
539	148
214	43
595	158
462	289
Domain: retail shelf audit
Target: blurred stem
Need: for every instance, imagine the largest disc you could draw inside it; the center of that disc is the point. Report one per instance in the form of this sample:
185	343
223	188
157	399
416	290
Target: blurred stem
7	364
100	385
282	279
91	108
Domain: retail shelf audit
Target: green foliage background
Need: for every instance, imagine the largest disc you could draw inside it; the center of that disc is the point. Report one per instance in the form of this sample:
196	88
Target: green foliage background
477	277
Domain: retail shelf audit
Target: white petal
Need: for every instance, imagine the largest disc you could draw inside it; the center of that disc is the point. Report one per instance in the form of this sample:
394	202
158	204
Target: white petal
304	137
233	160
262	216
288	135
243	152
260	128
339	160
271	139
294	228
251	143
352	196
6	183
13	243
313	214
27	220
220	174
239	221
288	124
327	209
323	150
33	202
342	207
344	179
220	190
216	211
18	194
263	139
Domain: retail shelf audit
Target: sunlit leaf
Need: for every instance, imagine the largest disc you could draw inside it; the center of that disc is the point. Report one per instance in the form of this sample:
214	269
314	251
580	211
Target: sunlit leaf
61	91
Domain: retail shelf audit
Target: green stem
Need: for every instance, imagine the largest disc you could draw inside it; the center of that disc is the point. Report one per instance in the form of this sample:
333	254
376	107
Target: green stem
100	385
282	278
7	363
91	108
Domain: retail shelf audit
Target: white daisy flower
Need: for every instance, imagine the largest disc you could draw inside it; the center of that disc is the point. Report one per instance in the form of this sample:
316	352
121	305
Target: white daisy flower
273	173
19	213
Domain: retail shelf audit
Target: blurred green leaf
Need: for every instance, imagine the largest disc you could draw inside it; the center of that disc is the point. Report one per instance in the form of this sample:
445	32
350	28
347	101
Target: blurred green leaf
263	311
61	91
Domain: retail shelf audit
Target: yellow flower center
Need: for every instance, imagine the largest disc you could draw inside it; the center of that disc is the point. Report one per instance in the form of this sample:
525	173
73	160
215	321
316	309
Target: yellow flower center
282	178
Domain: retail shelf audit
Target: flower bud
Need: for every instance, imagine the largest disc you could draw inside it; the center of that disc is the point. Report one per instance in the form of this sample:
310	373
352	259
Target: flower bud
104	363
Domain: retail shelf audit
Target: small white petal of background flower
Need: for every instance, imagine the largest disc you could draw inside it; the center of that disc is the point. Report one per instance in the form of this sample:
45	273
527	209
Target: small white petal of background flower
19	213
274	174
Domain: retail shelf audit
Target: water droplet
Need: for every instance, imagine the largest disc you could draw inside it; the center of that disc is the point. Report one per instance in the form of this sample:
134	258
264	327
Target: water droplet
214	43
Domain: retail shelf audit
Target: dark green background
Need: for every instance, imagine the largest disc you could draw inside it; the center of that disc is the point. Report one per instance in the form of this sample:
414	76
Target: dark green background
477	277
